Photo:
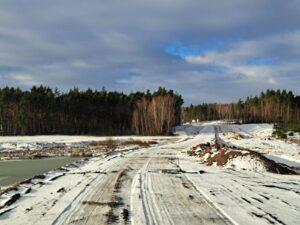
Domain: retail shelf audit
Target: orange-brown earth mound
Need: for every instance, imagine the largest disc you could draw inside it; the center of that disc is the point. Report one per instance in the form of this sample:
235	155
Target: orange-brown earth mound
214	154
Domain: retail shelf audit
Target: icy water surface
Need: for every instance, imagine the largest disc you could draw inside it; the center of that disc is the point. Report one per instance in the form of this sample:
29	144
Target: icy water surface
12	171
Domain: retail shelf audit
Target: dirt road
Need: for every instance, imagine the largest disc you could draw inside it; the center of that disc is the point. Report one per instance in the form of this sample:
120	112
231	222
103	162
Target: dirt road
157	185
144	187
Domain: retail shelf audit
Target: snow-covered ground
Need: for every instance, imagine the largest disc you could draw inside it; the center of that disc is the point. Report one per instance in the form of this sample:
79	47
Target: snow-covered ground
258	137
15	143
163	185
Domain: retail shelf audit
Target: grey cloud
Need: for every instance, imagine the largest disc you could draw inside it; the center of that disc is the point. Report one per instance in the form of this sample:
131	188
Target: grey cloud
120	45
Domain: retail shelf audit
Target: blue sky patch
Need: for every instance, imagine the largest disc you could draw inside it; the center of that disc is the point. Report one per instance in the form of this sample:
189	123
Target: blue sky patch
178	49
181	50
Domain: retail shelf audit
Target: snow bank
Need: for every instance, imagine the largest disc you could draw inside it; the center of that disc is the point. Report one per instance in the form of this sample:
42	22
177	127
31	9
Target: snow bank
260	140
246	162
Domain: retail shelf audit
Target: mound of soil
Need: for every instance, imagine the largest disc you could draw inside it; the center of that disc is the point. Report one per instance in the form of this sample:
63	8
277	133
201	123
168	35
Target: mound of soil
212	154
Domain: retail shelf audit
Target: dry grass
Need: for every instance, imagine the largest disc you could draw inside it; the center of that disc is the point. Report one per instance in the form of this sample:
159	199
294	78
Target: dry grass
14	187
139	143
108	144
113	144
86	151
80	152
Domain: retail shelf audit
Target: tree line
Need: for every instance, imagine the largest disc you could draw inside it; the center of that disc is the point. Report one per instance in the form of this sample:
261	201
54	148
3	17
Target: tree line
270	106
156	115
42	110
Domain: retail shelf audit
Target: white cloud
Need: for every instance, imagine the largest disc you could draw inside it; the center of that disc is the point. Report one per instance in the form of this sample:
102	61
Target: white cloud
236	58
67	43
24	79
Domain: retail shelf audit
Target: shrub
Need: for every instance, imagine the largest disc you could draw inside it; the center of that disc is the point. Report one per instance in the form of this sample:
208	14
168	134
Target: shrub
279	132
291	133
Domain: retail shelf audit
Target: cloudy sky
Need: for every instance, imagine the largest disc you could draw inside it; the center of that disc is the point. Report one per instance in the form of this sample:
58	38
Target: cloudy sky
208	51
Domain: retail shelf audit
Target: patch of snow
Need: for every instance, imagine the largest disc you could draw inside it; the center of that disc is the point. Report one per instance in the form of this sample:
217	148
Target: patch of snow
246	162
206	156
261	141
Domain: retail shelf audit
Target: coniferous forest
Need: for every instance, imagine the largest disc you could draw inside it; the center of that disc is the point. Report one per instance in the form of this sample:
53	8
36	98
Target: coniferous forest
271	106
42	110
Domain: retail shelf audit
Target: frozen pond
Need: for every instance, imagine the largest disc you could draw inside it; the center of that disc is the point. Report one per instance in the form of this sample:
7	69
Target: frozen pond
12	171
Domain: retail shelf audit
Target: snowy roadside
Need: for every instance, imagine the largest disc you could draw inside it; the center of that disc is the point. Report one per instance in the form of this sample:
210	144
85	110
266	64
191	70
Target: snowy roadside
74	177
258	137
246	193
